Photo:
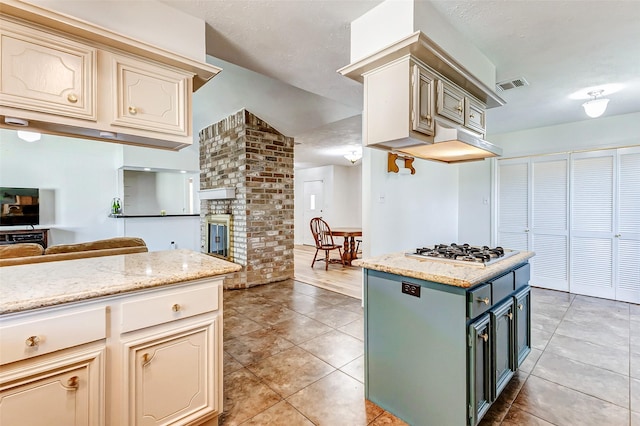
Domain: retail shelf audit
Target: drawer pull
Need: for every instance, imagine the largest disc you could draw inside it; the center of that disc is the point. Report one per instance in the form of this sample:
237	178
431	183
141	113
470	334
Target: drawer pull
485	300
520	306
176	307
73	383
485	337
133	110
72	98
32	341
426	117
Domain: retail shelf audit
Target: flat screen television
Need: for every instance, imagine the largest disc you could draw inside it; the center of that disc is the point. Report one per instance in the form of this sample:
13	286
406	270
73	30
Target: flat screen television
19	206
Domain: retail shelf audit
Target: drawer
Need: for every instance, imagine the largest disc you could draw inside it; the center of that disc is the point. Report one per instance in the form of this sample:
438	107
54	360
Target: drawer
502	287
522	275
43	333
171	306
479	300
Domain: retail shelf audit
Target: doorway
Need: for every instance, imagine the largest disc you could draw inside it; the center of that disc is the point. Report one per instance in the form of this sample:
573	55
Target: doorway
313	195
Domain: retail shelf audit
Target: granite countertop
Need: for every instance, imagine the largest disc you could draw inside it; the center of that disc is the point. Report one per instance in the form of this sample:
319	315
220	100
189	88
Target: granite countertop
440	271
38	285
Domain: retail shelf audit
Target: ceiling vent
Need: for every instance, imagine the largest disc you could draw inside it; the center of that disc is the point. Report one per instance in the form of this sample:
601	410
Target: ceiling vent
511	84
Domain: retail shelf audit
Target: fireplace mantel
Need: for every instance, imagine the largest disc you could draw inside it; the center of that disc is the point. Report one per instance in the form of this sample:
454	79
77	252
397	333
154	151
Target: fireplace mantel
217	194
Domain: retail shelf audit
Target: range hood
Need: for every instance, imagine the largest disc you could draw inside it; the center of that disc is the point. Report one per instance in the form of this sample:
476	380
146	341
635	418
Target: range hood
451	145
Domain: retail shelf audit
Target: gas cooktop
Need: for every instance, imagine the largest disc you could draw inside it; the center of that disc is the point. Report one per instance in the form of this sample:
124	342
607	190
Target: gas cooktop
463	254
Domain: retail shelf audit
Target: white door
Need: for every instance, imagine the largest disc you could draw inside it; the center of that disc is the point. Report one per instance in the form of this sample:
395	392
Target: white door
513	204
592	223
627	237
313	194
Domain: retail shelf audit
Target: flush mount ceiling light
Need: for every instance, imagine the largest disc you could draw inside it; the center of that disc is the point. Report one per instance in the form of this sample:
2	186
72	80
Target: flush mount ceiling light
353	156
29	136
596	106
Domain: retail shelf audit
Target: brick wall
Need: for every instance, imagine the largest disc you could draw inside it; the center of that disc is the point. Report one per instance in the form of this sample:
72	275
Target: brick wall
244	152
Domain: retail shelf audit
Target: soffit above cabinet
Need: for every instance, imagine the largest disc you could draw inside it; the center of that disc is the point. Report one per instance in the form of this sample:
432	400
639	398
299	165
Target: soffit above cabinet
426	50
68	25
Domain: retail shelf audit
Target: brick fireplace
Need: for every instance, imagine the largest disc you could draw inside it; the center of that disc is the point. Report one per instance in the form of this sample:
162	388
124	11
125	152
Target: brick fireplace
246	153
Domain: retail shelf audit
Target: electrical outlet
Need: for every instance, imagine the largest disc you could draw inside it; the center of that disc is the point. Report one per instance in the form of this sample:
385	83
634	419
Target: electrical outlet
411	289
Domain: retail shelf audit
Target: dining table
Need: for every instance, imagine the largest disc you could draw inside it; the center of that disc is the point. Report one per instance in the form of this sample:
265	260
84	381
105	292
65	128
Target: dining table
349	251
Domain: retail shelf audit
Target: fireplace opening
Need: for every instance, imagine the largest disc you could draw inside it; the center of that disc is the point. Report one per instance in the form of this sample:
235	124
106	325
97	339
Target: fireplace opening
219	235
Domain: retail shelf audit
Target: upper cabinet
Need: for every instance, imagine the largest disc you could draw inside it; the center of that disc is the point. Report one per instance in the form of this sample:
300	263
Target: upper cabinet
68	77
422	82
46	73
150	97
460	108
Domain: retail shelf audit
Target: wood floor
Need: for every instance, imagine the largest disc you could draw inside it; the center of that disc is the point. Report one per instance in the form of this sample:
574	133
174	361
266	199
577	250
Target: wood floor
346	280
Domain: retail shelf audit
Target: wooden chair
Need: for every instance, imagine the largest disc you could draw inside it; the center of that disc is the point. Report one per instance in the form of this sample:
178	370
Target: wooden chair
324	241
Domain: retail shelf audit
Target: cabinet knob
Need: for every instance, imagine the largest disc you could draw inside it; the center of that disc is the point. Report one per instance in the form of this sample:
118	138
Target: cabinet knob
133	110
486	300
459	108
618	235
32	341
73	383
176	307
510	315
520	306
426	117
146	358
485	337
472	116
71	97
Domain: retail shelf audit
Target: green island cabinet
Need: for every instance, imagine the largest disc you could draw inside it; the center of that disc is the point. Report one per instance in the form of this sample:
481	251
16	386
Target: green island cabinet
438	354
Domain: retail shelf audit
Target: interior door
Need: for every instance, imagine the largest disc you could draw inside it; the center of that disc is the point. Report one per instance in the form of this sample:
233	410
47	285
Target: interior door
313	195
627	237
513	204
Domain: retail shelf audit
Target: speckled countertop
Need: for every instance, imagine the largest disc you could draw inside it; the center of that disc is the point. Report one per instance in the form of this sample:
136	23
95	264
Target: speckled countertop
440	271
38	285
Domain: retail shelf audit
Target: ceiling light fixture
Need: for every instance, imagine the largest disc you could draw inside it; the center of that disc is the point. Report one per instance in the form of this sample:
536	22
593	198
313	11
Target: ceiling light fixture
596	106
353	156
29	136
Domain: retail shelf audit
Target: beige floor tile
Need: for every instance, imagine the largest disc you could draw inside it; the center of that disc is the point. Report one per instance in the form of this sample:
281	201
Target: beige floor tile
252	347
594	381
552	297
355	369
300	329
244	397
516	417
540	338
333	316
634	365
281	414
271	314
635	395
229	364
613	359
388	419
531	360
336	399
335	348
635	419
352	304
304	304
238	325
563	406
601	336
290	370
355	329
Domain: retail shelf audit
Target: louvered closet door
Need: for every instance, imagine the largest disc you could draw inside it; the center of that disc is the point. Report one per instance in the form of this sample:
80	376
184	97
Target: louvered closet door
549	235
627	237
513	204
592	223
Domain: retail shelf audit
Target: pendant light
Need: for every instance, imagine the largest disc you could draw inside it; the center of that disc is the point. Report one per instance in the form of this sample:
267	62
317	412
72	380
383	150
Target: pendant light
596	106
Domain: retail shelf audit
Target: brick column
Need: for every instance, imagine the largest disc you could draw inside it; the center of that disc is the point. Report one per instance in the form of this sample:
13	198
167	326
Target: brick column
244	152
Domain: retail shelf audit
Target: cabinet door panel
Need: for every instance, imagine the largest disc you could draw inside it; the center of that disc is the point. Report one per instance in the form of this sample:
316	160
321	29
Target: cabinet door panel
450	102
172	377
523	325
150	97
423	100
503	344
474	115
42	72
479	368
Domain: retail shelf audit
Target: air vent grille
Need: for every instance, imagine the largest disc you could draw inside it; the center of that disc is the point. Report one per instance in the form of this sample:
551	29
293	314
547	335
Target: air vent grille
511	84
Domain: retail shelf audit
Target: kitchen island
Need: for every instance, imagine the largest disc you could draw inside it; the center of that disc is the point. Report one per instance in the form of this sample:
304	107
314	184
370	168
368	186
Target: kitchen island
125	339
442	339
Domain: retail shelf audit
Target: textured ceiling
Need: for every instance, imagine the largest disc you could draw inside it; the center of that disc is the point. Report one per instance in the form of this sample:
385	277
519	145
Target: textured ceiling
290	51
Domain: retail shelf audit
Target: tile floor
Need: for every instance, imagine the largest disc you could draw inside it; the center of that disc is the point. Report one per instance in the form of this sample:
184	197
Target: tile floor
293	355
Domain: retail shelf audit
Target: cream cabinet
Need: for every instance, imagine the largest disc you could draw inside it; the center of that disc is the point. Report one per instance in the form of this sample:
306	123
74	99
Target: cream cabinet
46	73
152	357
460	108
148	96
422	100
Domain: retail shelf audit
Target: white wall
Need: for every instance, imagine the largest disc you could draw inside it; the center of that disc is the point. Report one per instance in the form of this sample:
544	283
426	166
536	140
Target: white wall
475	202
159	232
402	211
80	174
342	206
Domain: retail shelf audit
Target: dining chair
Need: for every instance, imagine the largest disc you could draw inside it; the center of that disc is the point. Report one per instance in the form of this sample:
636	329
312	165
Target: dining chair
324	241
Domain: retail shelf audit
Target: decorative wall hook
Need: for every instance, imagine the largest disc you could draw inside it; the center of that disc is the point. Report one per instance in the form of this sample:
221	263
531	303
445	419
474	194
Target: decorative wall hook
392	167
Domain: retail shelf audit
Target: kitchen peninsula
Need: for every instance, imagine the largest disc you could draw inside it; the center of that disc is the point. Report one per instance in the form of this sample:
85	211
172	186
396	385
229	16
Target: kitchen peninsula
443	337
125	339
